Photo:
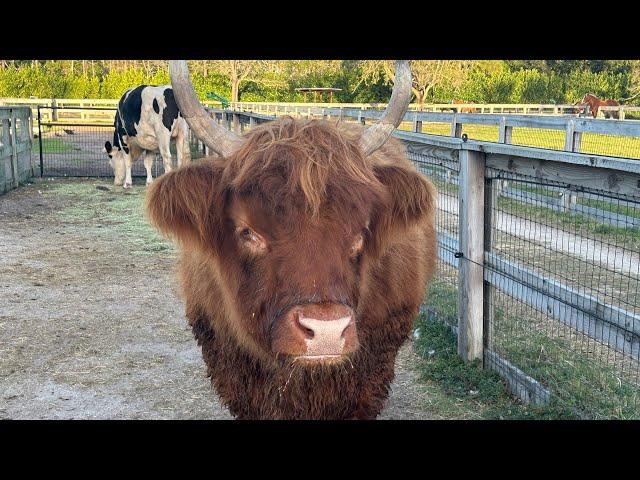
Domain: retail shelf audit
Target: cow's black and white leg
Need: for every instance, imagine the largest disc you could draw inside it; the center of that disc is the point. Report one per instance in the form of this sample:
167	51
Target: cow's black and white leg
149	158
134	153
165	152
118	169
127	167
182	149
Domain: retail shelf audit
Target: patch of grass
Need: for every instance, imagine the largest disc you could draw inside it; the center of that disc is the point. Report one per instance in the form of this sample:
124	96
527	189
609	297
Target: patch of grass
612	206
120	210
465	383
581	383
623	236
52	145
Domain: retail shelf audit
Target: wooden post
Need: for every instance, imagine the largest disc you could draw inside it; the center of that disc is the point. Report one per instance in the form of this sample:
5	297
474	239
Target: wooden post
456	128
569	200
236	122
252	122
470	277
417	124
572	138
505	133
54	110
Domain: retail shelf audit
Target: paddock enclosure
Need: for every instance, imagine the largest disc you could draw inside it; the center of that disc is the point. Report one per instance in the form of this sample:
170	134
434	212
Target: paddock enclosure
538	272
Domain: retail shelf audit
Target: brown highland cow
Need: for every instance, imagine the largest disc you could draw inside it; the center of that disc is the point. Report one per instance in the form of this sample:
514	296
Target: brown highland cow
306	248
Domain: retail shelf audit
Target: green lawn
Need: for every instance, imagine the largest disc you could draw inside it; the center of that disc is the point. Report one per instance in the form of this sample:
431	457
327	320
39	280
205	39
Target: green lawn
593	143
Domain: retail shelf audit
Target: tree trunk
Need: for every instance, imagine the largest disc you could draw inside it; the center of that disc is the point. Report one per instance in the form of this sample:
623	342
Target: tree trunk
234	89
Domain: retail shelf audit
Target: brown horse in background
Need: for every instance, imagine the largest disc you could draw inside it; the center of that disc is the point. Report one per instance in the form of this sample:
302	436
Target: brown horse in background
464	109
595	103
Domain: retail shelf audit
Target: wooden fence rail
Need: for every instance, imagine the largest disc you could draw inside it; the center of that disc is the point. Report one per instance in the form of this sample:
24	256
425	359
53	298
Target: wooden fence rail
280	108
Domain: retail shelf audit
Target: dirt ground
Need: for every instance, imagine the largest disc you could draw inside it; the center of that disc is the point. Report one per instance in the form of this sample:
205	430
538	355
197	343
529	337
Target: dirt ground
90	323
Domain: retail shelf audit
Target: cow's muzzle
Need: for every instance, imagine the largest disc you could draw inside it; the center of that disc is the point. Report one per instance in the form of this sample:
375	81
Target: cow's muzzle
318	332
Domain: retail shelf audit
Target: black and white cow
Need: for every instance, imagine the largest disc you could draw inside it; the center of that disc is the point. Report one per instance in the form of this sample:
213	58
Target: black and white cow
146	121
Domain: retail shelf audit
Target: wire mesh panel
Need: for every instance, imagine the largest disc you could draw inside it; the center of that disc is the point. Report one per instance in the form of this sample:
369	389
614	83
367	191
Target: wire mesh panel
538	138
564	266
485	133
436	128
441	301
610	145
74	148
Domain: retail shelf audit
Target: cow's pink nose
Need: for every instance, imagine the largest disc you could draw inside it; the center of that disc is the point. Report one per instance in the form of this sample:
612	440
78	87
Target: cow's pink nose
325	337
317	332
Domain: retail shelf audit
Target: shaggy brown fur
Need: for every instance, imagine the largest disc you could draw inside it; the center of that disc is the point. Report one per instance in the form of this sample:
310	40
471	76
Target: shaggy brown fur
306	189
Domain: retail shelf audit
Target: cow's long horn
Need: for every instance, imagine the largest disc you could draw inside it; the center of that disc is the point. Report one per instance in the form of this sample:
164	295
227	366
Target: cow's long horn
376	135
217	138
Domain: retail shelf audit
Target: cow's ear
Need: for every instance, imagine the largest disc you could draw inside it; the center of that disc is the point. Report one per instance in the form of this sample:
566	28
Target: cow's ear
107	146
411	200
186	204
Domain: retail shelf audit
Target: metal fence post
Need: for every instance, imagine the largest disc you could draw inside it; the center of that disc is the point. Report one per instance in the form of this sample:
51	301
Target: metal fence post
505	134
40	142
471	274
492	189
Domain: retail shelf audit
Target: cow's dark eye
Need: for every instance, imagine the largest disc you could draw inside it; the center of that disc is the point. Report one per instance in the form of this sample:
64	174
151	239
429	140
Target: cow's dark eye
251	239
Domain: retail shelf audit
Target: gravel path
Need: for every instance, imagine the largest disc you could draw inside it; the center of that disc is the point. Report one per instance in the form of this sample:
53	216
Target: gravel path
90	328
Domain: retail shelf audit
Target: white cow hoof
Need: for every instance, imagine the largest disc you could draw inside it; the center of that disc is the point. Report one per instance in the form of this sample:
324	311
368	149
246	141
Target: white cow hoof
126	185
149	182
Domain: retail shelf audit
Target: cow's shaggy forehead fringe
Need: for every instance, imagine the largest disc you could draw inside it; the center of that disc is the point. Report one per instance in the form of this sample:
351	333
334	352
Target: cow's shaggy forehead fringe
319	159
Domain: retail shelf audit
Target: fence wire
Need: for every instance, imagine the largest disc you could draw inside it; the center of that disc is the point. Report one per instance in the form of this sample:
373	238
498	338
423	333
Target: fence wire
566	305
562	279
442	296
